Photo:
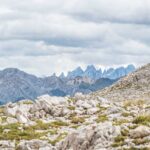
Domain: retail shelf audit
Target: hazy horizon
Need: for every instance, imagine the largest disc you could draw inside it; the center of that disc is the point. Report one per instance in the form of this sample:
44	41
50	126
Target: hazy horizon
66	72
43	37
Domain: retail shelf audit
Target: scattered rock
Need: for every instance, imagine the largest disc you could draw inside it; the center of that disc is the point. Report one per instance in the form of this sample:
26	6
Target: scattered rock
7	145
11	120
140	132
34	145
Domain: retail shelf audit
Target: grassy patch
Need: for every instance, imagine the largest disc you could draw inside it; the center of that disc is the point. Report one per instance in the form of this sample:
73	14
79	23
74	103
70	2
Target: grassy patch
1	110
142	119
71	100
124	132
120	122
58	138
140	141
131	103
71	107
75	126
126	114
101	118
134	148
28	102
58	124
77	120
101	108
119	141
45	126
117	144
14	133
120	138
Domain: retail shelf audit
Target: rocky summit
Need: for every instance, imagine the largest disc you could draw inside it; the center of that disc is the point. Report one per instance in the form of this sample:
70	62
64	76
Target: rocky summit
134	86
104	120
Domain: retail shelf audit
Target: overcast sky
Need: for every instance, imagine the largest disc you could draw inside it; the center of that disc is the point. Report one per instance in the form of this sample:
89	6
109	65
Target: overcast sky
45	36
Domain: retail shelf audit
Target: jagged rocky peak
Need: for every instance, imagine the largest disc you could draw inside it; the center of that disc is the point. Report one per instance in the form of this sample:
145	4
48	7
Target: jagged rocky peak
131	67
90	68
77	72
90	72
62	75
93	73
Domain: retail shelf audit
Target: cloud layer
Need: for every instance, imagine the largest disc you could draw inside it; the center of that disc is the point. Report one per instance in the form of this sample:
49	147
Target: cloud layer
42	36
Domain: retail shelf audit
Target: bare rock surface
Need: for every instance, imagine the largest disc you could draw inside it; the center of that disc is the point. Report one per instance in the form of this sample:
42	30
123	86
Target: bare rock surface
84	122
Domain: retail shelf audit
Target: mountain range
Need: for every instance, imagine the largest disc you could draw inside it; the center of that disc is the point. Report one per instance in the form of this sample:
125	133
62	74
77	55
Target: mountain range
93	73
16	85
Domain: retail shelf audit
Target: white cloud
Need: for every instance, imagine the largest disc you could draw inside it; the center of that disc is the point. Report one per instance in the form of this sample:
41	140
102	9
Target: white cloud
42	36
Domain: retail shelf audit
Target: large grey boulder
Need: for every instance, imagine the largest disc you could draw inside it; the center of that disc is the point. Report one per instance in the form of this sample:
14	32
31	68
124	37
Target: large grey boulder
93	137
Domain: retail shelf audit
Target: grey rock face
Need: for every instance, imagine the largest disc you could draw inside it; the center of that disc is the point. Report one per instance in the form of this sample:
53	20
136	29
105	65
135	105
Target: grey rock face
7	145
91	138
92	73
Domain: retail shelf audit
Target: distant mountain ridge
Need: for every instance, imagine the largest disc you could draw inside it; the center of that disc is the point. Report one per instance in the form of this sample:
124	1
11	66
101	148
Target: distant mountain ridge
93	73
16	85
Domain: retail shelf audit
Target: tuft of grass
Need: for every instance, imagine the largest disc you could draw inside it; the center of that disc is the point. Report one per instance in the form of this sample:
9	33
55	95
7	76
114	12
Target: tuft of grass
130	103
39	126
75	126
120	138
126	114
77	120
120	122
117	144
101	118
58	124
71	100
119	141
134	148
15	133
58	138
1	110
28	102
133	126
140	141
101	108
46	126
71	107
142	119
124	132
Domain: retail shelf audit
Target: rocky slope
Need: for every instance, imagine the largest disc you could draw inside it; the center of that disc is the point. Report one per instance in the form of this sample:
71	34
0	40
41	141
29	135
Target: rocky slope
134	86
82	122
